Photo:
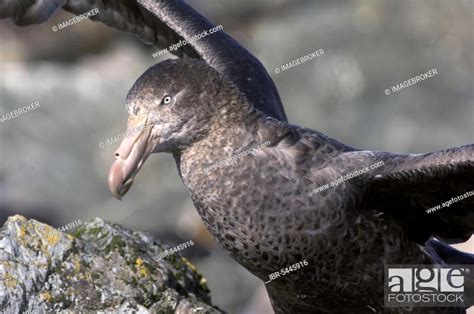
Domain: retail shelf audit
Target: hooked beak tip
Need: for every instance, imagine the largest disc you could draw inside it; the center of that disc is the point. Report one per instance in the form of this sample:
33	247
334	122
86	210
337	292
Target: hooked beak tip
115	179
117	196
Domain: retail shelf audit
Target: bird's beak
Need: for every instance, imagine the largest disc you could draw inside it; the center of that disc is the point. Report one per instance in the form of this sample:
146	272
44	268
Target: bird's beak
130	156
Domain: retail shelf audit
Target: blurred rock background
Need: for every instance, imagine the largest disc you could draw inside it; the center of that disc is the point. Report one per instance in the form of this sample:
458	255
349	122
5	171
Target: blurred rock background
51	165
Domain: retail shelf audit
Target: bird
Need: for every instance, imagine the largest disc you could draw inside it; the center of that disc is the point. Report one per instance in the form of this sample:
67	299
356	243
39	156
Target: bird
277	196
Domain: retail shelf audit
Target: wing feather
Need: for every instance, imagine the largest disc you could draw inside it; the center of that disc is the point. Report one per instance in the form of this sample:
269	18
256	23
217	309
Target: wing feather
430	194
164	23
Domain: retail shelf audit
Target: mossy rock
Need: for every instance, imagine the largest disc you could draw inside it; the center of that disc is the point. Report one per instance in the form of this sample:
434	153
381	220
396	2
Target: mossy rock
101	267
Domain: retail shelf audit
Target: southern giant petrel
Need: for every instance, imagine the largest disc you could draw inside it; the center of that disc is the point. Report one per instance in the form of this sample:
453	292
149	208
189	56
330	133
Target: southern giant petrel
267	208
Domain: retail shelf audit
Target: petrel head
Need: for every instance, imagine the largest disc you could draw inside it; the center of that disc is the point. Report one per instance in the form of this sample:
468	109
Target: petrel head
169	108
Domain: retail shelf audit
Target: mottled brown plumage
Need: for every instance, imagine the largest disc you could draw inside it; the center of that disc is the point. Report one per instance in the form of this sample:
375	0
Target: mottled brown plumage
262	208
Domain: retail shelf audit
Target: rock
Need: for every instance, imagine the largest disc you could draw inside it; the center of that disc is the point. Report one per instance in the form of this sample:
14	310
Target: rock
101	267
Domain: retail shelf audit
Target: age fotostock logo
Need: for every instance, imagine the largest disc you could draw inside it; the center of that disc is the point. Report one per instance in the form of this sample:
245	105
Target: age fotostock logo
429	286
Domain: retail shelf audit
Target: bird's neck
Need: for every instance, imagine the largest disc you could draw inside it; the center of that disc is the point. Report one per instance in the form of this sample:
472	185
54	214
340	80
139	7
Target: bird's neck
235	129
220	184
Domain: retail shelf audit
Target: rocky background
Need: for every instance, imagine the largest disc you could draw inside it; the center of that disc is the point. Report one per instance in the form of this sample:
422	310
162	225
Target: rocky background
53	168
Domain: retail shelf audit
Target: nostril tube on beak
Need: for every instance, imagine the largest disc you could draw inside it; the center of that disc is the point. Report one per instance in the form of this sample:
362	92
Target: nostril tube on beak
118	156
126	147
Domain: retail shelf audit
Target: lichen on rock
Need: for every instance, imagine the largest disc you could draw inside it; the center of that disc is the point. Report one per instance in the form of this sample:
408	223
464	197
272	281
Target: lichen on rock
101	267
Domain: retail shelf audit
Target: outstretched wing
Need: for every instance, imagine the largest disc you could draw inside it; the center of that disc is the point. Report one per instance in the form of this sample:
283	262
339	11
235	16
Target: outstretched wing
430	194
164	23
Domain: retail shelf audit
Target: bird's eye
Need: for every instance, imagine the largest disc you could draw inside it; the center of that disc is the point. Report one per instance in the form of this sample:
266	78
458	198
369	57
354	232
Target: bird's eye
166	100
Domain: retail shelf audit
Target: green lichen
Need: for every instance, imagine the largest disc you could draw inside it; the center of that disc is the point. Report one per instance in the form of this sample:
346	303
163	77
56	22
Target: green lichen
116	243
133	282
78	232
94	231
203	283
